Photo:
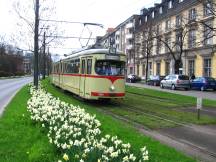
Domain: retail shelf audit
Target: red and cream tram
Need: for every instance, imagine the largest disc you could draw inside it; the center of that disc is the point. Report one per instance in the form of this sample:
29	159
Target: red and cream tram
92	74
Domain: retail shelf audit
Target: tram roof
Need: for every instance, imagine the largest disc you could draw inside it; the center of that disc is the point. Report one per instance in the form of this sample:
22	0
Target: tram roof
93	51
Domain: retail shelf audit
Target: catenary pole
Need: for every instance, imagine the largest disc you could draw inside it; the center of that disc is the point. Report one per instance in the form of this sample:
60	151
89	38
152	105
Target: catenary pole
36	43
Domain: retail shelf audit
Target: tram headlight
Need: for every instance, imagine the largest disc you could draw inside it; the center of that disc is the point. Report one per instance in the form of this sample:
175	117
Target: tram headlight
112	88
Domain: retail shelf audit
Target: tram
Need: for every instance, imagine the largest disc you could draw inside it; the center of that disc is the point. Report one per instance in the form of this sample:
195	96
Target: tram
92	74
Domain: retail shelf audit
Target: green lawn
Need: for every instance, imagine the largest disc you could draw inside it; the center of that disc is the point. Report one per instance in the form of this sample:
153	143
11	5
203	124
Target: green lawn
160	104
23	140
20	139
177	98
157	151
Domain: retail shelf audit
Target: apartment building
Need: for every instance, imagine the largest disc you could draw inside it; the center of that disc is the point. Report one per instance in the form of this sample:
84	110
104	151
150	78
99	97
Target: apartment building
123	39
176	36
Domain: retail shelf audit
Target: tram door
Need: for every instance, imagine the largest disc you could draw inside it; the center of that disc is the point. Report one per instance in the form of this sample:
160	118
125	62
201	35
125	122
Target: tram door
82	77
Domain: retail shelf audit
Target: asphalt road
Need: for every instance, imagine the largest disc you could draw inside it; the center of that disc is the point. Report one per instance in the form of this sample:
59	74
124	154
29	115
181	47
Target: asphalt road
195	93
9	87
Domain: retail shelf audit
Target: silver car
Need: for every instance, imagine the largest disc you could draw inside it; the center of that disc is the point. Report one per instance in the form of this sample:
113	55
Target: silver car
176	81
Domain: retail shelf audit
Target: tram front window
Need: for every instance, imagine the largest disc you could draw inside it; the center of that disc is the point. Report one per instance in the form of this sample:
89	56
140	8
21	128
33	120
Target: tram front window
110	68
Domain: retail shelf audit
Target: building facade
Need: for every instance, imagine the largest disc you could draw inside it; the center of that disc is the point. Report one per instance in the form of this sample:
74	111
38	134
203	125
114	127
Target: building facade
123	39
175	36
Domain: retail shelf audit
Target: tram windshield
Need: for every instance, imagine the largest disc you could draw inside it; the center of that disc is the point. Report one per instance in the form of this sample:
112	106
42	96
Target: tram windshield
110	67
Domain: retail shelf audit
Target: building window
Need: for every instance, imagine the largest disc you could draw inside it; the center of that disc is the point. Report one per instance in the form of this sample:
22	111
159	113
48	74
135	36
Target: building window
207	67
158	29
131	70
191	65
192	14
170	4
146	18
161	10
178	21
168	24
208	8
167	68
179	41
208	33
158	66
192	38
140	21
181	1
117	46
153	14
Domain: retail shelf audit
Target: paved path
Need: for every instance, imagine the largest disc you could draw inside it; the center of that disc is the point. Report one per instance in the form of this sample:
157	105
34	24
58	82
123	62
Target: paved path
9	87
195	93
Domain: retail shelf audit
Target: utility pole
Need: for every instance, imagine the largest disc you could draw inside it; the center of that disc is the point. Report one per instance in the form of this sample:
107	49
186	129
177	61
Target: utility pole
44	55
36	44
48	62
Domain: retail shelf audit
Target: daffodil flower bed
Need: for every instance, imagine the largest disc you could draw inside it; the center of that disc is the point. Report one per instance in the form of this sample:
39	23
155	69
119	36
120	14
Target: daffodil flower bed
77	134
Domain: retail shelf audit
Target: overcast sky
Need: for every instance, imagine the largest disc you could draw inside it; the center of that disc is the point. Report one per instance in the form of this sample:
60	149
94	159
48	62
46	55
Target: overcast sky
110	13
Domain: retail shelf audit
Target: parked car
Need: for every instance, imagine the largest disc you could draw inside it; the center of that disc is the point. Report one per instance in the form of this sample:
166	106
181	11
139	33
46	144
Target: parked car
132	78
155	80
176	81
203	83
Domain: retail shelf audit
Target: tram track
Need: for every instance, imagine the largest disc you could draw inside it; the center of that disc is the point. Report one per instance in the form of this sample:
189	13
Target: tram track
138	110
150	96
160	99
204	154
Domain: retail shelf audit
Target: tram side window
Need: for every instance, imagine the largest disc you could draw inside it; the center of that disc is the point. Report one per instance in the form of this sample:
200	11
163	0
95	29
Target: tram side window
89	66
83	67
72	66
69	67
77	66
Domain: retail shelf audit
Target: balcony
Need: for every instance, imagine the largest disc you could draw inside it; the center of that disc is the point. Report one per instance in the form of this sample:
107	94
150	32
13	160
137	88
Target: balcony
129	25
129	36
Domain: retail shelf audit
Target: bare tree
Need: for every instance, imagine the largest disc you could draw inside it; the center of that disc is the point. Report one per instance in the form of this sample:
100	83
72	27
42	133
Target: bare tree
144	44
26	11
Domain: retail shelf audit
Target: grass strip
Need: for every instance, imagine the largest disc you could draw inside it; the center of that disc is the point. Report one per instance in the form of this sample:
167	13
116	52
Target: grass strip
177	98
21	140
157	151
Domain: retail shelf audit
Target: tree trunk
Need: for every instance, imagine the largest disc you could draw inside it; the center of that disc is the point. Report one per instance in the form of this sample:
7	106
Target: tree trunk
147	61
178	64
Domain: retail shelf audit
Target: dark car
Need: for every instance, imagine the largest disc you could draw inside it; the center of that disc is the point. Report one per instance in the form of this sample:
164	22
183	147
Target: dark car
155	80
203	83
132	78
